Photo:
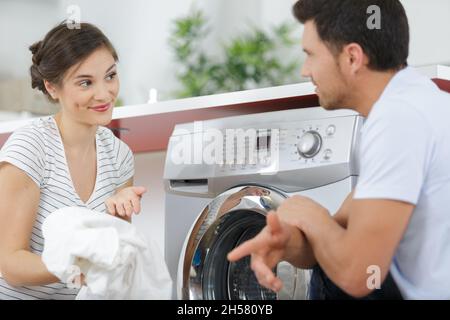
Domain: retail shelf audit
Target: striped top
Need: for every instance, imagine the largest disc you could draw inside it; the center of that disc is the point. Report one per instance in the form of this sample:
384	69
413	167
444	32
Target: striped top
37	149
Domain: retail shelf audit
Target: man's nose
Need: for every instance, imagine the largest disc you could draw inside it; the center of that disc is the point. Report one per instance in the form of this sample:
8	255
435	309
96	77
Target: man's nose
305	72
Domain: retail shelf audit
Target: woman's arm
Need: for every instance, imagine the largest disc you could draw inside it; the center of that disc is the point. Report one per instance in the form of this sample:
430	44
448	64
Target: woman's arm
19	201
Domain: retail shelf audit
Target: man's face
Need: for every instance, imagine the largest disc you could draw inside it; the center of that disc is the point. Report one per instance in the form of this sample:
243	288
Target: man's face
324	70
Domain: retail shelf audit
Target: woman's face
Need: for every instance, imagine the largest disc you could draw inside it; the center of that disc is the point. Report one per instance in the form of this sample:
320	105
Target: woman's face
89	89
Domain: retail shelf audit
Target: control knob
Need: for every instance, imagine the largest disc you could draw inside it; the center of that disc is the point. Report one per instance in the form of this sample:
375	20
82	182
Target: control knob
309	144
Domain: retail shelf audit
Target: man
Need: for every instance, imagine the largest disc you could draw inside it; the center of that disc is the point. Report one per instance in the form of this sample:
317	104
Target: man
397	220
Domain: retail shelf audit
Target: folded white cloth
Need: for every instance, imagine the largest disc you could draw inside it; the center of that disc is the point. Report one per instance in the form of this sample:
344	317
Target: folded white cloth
117	262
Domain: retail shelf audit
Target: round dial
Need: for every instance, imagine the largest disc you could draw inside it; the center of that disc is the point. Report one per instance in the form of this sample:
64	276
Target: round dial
309	144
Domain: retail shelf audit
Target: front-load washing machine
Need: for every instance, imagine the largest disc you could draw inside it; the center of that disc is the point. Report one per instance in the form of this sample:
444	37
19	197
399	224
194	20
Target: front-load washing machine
223	176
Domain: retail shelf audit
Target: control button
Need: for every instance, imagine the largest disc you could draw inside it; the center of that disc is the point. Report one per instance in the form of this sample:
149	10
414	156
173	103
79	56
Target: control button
331	130
309	144
327	154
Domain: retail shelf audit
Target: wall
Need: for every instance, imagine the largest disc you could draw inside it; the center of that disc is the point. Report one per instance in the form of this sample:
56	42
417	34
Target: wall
21	24
430	31
140	28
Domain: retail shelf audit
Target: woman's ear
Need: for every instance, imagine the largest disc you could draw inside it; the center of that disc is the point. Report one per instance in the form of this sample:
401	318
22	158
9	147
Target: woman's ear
51	89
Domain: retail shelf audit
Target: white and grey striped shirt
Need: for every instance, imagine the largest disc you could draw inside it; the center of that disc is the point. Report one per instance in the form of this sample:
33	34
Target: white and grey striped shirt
37	149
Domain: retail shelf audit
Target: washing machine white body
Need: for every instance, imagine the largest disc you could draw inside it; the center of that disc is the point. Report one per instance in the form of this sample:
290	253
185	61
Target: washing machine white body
213	206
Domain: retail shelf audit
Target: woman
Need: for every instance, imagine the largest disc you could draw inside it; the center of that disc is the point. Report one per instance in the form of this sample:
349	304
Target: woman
68	159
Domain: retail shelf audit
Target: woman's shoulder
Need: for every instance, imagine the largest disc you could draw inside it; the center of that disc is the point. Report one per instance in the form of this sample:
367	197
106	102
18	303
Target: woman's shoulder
36	132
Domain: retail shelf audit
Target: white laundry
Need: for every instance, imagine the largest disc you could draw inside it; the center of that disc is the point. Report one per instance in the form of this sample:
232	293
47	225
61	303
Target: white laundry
118	263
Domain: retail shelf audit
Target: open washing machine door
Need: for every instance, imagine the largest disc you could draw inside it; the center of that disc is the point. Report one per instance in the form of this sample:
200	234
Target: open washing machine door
230	219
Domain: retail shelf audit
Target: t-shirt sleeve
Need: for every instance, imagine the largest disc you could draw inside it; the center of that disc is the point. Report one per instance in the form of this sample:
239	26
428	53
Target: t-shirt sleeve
125	159
394	154
25	150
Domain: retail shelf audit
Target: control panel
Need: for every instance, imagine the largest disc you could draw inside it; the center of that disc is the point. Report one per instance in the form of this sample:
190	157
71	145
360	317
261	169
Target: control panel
300	148
288	145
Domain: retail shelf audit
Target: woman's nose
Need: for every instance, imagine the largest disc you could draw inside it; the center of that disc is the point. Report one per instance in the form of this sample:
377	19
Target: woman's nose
101	93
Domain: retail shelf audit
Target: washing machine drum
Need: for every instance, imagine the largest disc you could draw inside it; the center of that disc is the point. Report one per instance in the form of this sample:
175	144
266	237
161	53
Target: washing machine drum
229	220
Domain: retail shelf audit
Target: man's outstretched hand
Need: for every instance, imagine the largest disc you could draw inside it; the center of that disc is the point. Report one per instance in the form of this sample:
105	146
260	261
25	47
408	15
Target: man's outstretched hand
267	249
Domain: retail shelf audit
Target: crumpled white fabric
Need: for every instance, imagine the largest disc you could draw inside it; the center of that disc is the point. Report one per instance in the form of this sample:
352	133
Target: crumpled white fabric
118	262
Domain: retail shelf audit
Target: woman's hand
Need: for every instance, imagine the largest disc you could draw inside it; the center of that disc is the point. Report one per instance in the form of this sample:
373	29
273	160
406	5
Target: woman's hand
125	202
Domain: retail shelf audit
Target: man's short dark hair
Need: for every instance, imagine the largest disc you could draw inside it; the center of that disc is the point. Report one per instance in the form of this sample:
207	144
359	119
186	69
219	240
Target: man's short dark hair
340	22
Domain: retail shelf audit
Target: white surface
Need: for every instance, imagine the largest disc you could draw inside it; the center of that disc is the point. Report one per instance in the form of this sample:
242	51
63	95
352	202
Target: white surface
443	72
149	168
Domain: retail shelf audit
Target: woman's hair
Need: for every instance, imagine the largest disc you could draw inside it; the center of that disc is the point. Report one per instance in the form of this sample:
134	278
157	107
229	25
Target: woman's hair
61	49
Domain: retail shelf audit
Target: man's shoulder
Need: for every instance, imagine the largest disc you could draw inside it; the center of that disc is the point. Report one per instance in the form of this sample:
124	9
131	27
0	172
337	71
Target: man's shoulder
413	91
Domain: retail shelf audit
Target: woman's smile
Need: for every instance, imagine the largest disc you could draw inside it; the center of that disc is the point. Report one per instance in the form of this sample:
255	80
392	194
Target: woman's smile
101	108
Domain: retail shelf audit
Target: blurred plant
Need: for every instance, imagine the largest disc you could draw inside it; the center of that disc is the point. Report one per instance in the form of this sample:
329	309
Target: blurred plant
119	102
249	61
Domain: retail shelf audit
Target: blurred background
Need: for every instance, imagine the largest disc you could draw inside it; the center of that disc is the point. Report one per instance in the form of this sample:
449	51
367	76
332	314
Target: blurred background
183	48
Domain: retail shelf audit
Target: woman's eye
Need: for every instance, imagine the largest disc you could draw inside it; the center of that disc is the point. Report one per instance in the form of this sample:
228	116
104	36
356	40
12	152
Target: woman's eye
111	76
85	83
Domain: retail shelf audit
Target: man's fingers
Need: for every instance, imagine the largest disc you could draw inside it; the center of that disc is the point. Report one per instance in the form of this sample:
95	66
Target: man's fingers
273	222
258	266
276	284
245	249
265	275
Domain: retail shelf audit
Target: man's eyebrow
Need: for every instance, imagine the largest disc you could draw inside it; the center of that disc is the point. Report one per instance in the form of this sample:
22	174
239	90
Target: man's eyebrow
306	51
89	76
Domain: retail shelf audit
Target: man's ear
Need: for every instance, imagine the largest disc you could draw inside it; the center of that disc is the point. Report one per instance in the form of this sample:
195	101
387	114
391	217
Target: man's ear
354	57
51	89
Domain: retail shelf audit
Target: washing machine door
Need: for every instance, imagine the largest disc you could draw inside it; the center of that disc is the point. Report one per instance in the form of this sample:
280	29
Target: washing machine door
229	220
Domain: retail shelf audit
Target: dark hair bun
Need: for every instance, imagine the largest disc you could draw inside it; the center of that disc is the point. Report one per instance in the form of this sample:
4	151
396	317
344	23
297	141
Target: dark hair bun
37	81
34	48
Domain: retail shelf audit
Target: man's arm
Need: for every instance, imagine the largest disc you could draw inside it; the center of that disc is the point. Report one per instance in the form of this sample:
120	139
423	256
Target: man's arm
341	216
299	252
374	229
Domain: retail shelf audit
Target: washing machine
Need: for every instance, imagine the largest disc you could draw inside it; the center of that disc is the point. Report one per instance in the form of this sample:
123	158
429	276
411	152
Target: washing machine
223	176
